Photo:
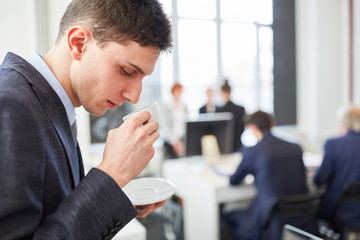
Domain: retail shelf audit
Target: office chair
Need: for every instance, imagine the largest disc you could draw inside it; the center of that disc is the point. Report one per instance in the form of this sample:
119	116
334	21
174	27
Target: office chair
300	211
172	214
351	193
293	233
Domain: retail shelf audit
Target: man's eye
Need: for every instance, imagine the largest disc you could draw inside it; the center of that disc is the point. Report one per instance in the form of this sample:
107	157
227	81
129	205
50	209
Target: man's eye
125	72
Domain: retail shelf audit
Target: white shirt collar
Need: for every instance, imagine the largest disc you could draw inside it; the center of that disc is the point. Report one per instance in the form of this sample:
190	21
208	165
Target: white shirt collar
38	63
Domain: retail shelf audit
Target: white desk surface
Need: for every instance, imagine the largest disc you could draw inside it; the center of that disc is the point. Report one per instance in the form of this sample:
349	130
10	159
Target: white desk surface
203	189
134	230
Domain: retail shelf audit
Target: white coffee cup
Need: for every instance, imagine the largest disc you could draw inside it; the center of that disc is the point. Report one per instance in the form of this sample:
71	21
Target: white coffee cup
154	111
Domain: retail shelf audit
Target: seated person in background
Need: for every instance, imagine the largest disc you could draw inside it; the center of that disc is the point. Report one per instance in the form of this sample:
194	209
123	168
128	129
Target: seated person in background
341	166
237	111
209	107
278	169
174	116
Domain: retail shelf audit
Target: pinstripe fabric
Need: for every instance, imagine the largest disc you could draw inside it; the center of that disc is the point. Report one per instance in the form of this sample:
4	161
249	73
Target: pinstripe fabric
43	191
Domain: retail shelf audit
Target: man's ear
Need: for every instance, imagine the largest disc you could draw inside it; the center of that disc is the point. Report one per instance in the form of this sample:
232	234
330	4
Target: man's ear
77	39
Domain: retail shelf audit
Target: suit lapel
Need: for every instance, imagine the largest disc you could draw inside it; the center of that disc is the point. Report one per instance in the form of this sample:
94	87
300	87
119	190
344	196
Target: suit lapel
54	109
82	172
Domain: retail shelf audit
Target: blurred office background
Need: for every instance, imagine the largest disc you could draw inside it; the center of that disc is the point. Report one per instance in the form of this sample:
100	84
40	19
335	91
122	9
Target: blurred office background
298	59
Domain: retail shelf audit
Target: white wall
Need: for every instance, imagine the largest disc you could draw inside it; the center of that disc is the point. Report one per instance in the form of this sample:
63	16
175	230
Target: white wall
322	67
357	51
18	27
55	9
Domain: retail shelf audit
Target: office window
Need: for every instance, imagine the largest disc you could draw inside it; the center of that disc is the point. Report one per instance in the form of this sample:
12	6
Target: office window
239	61
239	10
199	9
197	59
214	40
265	49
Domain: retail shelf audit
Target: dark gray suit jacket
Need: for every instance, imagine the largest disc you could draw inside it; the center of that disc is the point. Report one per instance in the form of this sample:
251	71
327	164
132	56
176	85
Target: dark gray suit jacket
43	193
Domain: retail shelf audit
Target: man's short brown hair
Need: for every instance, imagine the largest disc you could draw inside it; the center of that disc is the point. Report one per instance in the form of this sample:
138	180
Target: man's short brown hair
262	120
142	21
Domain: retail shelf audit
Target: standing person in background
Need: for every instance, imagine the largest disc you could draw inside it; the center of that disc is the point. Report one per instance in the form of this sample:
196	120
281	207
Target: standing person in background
237	111
278	170
209	107
174	116
340	167
103	51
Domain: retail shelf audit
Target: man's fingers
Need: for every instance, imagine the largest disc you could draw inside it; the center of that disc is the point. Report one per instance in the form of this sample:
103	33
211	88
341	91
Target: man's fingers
145	210
142	120
151	127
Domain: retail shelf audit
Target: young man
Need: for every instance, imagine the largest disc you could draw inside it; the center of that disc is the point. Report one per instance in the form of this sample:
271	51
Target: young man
103	51
278	169
340	167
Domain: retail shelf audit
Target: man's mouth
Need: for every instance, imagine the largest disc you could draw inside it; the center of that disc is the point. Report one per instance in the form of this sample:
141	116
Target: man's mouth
111	104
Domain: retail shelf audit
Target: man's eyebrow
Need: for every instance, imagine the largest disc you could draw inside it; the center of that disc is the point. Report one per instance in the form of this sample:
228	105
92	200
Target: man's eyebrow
137	68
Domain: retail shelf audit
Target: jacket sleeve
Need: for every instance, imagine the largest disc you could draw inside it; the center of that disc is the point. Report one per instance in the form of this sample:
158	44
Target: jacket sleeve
95	209
324	172
245	168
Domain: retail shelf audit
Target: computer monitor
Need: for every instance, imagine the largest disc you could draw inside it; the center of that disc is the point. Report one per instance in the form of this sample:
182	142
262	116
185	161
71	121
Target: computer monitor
219	124
293	233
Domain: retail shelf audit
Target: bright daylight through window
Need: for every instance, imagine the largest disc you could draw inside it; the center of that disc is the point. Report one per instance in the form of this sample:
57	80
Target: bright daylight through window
214	40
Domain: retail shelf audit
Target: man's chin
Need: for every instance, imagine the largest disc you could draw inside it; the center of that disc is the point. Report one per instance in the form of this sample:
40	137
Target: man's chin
96	112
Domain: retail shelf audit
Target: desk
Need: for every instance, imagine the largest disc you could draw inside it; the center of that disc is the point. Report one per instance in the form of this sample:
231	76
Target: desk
202	191
134	230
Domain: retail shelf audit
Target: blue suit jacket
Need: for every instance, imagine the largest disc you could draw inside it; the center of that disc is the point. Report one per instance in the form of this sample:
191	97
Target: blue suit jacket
340	166
203	109
43	194
279	170
239	113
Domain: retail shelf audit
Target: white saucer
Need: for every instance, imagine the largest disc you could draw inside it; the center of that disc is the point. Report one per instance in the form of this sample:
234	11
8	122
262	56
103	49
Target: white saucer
147	190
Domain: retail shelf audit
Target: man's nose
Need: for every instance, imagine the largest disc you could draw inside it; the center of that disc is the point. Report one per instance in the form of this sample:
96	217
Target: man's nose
134	91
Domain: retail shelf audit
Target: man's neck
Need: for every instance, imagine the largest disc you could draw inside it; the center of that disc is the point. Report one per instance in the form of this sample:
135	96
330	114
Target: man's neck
60	63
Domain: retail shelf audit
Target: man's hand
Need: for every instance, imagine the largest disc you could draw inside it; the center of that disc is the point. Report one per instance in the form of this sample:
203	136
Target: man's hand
145	210
129	148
